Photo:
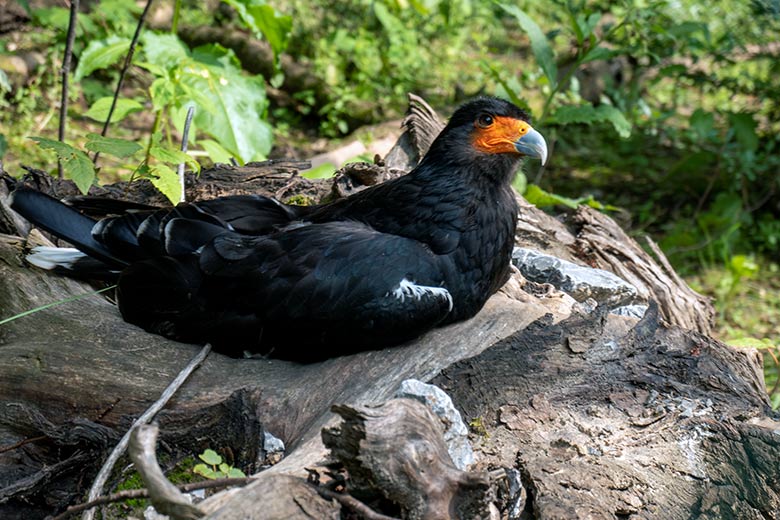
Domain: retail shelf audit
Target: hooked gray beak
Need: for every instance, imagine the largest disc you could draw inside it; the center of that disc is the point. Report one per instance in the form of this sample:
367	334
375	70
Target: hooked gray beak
532	144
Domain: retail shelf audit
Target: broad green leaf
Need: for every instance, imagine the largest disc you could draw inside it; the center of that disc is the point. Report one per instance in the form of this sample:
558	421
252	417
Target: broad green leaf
121	148
211	457
598	53
216	153
744	127
702	122
237	103
167	181
164	50
323	171
101	54
167	155
99	109
588	114
163	92
75	163
539	43
204	471
235	473
80	169
262	19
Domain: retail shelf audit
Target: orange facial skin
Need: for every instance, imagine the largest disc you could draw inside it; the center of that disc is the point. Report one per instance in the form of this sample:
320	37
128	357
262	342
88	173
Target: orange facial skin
499	136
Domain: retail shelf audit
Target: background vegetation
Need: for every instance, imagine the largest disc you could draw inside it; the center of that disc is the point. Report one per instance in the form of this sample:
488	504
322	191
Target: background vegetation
664	112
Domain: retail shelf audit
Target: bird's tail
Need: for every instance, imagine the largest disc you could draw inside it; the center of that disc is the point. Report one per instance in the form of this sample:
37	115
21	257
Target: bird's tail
64	222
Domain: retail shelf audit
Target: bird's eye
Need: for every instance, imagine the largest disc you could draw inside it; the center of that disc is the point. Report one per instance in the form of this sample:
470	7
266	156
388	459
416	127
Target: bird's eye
485	120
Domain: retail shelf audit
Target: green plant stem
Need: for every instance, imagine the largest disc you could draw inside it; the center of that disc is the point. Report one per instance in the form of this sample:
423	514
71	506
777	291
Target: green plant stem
175	21
155	128
52	304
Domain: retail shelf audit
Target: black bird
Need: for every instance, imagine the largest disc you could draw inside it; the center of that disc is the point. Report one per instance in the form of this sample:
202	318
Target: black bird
372	270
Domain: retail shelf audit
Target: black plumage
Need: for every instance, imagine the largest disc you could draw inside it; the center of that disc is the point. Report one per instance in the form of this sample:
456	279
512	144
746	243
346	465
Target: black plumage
375	269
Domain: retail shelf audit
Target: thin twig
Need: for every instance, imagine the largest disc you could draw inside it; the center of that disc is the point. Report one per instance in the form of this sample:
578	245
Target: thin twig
74	14
125	68
353	503
22	443
185	138
130	494
105	471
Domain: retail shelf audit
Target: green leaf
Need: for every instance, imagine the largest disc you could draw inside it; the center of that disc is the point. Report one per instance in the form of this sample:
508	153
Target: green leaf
62	150
75	163
235	104
539	43
744	127
264	20
99	109
168	155
121	148
167	181
216	153
588	114
3	145
164	50
323	171
598	53
80	169
204	471
541	198
101	54
235	473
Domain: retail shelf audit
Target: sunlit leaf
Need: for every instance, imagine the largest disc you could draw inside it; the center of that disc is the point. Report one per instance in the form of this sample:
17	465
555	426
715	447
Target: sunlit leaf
264	20
168	155
75	163
164	50
539	43
167	181
216	153
99	109
100	54
210	457
121	148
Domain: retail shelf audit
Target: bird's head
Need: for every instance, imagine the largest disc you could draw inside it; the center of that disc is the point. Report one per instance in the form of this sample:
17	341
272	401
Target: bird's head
491	134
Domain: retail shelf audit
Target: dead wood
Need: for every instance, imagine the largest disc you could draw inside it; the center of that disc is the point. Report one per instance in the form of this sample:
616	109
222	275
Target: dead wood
397	449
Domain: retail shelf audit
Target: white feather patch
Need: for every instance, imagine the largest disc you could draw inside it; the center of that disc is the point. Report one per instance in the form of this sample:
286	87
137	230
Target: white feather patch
47	257
407	289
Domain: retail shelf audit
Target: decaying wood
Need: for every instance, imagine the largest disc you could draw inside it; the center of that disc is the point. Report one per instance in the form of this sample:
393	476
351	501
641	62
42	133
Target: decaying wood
397	449
598	416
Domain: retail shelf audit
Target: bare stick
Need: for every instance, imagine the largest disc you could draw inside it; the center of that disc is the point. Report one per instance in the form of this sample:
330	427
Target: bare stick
74	13
125	68
185	138
165	497
105	471
130	494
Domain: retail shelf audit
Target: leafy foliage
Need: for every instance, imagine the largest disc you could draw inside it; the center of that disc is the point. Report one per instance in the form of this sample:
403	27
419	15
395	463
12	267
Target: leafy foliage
214	467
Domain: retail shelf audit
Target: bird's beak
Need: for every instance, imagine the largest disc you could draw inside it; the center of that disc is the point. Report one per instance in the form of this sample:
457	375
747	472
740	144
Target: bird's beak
532	144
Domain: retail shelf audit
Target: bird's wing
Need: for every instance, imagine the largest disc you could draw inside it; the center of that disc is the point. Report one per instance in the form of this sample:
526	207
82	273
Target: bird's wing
340	284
